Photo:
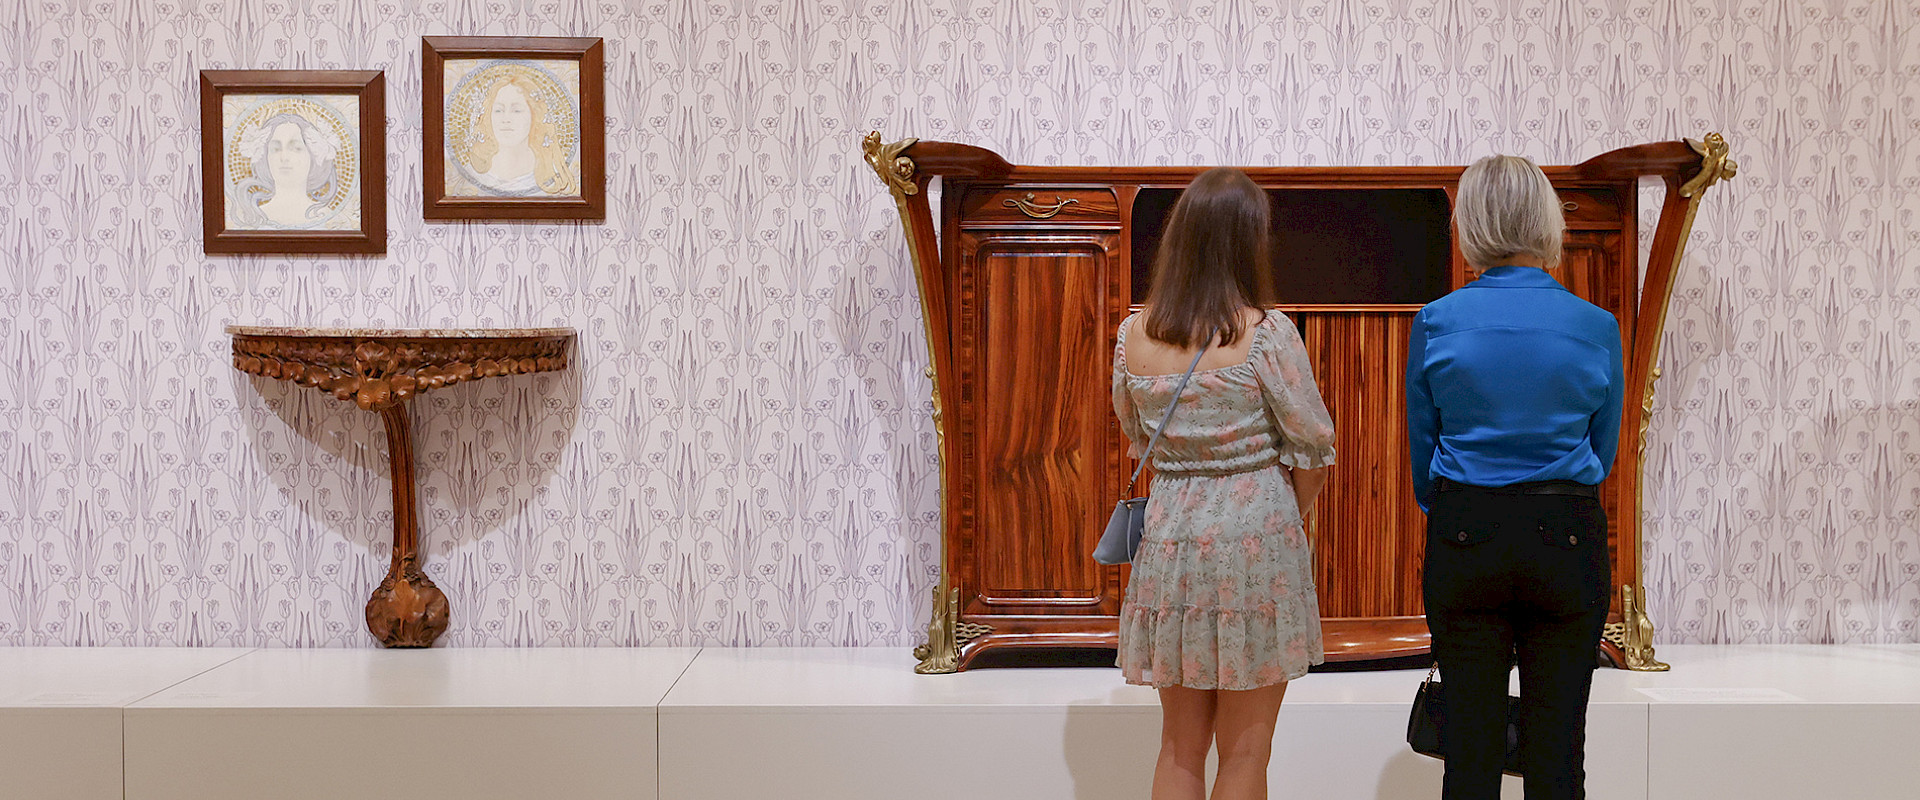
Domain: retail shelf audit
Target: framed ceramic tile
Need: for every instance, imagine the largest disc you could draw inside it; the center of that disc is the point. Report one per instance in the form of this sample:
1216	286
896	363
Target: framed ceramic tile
514	128
293	161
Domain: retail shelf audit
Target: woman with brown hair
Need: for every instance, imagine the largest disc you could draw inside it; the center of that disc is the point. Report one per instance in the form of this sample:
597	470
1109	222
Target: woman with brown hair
1220	611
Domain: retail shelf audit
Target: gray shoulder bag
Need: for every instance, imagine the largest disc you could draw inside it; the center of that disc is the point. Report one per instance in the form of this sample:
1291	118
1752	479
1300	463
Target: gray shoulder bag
1129	518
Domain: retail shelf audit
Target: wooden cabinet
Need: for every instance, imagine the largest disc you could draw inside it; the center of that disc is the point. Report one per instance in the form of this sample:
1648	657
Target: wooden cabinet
1029	272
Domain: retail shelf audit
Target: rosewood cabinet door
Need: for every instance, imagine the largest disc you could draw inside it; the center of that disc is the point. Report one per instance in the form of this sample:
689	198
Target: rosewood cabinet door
1588	261
1034	354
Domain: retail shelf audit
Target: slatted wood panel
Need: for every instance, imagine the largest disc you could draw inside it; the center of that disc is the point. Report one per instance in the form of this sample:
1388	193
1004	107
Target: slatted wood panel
1039	421
1368	533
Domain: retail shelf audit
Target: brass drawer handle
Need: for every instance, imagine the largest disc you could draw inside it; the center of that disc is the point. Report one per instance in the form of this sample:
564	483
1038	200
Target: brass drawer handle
1035	210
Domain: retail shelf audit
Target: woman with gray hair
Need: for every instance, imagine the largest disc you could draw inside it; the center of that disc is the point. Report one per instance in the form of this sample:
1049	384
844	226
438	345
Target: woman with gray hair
1514	390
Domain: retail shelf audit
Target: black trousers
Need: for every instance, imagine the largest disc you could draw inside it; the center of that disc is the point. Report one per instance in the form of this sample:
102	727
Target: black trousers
1511	573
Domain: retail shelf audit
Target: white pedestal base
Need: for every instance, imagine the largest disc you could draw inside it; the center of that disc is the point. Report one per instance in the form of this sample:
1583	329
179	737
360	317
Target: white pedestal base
467	724
1736	722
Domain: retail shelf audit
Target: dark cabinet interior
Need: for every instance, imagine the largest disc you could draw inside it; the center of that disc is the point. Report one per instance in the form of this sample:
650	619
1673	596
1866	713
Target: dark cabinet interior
1332	246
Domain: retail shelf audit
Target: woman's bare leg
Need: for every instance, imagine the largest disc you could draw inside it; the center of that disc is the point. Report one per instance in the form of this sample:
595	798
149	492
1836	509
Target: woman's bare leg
1243	726
1186	734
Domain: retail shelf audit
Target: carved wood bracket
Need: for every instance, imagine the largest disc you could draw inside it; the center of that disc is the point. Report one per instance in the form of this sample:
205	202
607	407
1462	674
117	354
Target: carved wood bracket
379	370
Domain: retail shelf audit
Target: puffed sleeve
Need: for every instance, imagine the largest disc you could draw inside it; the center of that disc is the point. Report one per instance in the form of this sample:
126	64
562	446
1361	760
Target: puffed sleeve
1123	407
1286	376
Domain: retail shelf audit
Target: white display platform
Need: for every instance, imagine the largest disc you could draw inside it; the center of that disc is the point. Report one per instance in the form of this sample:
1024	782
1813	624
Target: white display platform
1745	722
447	723
810	723
60	711
859	724
1781	722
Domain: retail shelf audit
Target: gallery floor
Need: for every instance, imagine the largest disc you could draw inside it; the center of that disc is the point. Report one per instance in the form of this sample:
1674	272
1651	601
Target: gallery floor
1748	722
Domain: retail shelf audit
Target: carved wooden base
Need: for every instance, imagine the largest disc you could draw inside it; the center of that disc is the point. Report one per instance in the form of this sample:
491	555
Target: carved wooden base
407	610
379	370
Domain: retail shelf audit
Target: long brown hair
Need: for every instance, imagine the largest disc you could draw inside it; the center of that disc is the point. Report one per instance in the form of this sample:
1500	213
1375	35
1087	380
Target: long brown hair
1213	261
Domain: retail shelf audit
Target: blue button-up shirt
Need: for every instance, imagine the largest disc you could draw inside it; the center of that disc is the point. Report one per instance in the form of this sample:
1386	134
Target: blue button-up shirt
1512	379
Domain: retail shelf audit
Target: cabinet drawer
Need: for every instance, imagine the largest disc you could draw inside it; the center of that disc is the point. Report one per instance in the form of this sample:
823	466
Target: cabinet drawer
1039	204
1591	208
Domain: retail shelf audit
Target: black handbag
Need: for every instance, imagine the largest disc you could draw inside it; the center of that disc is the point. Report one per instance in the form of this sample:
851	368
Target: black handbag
1429	716
1122	537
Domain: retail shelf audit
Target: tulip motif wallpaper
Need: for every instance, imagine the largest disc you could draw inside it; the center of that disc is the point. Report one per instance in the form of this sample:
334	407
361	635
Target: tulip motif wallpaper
743	451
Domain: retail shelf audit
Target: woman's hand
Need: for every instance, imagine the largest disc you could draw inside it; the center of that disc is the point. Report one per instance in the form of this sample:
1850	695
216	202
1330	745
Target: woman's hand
1307	484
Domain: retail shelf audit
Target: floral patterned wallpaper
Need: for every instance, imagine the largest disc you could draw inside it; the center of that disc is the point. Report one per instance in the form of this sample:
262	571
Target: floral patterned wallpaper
742	454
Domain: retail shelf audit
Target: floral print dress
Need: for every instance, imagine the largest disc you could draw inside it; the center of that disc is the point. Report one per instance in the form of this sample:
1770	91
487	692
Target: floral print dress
1222	593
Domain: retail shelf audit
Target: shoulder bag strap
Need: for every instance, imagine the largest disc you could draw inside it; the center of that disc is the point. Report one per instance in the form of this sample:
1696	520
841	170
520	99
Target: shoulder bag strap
1182	387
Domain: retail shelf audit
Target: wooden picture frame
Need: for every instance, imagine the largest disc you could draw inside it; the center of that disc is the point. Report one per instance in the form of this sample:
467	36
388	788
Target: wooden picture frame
334	200
540	100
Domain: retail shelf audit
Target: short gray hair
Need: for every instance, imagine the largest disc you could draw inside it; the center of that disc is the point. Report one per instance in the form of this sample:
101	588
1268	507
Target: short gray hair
1506	207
